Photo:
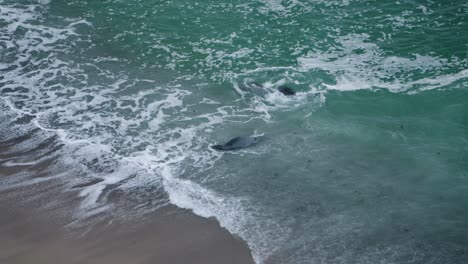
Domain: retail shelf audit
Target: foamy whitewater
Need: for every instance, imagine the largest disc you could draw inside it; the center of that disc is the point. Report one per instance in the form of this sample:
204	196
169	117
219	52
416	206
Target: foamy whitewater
367	163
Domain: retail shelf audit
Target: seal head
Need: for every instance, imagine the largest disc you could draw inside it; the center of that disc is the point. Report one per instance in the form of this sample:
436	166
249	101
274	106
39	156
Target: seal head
286	90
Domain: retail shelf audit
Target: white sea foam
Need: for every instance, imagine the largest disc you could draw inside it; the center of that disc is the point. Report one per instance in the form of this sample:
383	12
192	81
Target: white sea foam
361	64
14	163
348	83
263	237
439	81
283	8
103	122
128	132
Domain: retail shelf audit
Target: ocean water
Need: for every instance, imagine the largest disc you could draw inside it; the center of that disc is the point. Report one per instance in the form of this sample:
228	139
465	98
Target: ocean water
368	163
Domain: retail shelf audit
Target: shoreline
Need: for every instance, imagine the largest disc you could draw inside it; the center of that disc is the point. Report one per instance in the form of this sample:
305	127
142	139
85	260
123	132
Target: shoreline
169	235
38	225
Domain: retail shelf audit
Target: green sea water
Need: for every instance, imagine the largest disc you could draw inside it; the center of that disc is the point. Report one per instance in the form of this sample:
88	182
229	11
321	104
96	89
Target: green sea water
367	163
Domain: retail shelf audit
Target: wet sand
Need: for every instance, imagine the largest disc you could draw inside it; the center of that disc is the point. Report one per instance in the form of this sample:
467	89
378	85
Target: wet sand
38	225
170	235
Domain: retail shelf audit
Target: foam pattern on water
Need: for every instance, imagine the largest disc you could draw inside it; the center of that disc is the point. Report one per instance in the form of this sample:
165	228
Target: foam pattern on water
126	125
124	131
360	64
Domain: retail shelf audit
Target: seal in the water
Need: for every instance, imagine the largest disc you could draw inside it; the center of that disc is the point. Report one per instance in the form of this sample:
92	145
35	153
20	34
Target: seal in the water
237	143
286	90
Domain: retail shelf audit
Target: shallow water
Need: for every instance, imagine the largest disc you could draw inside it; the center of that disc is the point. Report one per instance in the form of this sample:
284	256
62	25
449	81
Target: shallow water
368	163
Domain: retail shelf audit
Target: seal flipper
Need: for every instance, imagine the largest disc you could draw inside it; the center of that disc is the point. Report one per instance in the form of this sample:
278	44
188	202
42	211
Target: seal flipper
217	147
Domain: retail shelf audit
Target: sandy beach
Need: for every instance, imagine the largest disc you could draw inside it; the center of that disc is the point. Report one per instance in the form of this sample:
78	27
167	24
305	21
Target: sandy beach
38	225
171	235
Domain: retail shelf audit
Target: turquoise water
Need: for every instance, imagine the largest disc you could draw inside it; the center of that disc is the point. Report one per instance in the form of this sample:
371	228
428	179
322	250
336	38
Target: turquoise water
368	163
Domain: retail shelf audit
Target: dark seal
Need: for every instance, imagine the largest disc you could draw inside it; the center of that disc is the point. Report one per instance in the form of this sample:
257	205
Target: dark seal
237	143
286	90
